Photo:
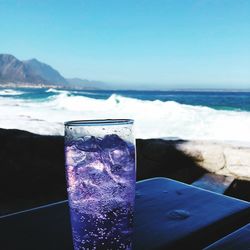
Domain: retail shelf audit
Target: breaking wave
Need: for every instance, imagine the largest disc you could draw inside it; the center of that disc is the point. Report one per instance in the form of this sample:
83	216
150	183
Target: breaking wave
152	118
10	92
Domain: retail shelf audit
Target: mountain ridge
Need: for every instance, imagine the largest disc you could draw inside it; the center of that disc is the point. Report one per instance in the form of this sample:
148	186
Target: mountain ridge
33	73
48	73
14	70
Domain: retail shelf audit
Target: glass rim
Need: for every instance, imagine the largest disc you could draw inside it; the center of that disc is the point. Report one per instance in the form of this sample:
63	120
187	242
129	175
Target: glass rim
99	122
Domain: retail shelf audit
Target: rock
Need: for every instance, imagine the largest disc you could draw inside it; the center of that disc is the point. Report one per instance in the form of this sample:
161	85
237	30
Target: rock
208	155
219	157
238	162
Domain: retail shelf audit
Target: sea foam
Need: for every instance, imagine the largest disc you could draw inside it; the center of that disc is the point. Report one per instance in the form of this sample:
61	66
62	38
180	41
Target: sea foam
153	119
10	92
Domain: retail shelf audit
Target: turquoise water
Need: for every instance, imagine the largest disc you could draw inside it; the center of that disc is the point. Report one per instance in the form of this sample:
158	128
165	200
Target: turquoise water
222	100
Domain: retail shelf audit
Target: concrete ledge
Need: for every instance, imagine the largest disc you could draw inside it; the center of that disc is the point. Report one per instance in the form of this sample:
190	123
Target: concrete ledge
219	157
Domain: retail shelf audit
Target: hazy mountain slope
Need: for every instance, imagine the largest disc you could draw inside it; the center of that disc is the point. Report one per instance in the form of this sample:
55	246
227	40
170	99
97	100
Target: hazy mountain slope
77	82
14	70
45	71
35	73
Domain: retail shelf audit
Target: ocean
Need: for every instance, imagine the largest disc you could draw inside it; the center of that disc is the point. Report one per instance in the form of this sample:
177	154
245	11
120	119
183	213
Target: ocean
200	115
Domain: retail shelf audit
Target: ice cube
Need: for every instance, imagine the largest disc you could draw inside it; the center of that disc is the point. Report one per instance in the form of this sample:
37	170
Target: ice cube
88	144
74	156
115	151
117	169
119	156
112	141
96	173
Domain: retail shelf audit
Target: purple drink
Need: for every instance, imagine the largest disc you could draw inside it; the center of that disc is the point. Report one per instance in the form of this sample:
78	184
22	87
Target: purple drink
100	171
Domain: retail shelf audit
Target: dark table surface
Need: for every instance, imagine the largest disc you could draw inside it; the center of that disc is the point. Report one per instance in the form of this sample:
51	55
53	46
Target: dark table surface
169	215
239	239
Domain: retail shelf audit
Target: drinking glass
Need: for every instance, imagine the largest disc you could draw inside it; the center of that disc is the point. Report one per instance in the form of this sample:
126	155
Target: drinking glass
100	173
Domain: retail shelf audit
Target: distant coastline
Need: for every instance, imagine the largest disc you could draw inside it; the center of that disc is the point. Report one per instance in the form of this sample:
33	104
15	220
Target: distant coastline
60	87
43	86
32	73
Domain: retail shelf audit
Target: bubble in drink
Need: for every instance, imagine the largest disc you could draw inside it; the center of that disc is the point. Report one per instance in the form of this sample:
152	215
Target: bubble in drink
101	185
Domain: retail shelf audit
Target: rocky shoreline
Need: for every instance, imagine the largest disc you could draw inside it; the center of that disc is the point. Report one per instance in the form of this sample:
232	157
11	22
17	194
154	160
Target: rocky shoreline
32	166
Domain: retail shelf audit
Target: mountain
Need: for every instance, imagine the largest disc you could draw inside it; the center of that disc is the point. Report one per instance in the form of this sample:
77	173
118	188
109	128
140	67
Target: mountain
77	82
45	71
33	73
14	70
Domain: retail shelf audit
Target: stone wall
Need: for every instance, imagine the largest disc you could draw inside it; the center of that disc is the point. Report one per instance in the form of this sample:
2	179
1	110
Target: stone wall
219	157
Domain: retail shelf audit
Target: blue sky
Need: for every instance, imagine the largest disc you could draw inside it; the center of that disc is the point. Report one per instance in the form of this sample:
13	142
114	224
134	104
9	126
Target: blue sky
145	43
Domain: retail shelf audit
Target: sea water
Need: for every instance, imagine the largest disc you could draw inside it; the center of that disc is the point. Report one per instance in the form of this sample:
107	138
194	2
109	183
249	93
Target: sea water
212	115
